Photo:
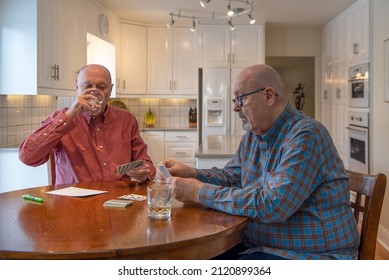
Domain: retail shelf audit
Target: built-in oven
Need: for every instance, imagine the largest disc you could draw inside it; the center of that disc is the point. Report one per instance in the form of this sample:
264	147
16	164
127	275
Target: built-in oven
358	136
359	86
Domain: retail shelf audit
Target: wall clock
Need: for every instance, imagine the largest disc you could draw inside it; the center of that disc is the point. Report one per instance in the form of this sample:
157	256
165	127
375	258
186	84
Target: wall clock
103	24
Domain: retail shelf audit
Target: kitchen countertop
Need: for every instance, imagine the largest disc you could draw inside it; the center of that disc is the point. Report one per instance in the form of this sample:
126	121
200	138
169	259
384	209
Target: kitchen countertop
220	146
158	128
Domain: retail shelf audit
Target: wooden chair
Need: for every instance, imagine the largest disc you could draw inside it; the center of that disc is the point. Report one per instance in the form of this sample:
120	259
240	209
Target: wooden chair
369	191
51	168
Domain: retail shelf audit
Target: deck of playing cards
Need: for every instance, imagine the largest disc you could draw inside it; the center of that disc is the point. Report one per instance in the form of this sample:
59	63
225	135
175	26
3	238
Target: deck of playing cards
124	168
117	203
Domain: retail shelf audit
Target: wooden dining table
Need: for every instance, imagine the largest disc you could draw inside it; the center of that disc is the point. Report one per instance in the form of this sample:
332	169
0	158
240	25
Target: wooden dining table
68	227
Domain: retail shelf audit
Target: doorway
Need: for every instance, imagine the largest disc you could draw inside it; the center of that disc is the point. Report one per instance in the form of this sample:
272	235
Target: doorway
104	53
295	71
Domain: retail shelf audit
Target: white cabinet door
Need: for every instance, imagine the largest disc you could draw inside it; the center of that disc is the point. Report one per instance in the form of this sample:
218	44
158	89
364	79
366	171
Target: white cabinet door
155	141
185	66
51	44
159	60
61	44
247	46
75	43
214	46
133	59
220	47
171	61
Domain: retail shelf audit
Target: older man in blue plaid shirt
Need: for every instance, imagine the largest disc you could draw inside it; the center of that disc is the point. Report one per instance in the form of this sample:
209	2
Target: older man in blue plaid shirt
286	176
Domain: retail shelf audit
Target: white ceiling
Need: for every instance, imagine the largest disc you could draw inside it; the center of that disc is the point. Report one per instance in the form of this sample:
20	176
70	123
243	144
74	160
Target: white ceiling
273	12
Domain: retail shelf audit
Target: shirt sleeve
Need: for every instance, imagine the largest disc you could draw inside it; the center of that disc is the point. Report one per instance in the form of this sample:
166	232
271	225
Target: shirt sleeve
35	149
270	194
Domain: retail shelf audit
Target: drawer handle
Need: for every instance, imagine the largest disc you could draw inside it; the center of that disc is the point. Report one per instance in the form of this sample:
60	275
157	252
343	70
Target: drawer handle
180	153
181	136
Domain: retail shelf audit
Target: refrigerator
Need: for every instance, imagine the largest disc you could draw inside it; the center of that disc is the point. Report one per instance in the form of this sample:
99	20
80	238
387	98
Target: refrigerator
215	103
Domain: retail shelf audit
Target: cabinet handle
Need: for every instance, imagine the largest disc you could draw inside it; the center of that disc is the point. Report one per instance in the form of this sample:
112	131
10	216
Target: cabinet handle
180	153
325	95
118	83
229	58
124	84
233	58
338	93
181	136
170	85
57	72
355	48
174	85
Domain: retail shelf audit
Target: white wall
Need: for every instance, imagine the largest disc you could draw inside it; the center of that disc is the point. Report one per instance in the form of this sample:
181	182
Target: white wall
379	133
297	41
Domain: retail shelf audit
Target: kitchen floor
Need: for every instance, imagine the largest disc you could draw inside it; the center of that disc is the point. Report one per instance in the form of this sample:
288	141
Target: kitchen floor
381	253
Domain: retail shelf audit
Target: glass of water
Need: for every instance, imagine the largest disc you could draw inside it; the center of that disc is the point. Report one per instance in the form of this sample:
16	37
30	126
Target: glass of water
159	201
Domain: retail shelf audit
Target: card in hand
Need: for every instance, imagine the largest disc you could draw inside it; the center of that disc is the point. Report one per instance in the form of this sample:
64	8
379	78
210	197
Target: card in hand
164	170
124	168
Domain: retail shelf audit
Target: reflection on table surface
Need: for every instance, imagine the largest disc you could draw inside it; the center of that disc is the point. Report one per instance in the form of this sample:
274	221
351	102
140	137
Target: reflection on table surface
82	228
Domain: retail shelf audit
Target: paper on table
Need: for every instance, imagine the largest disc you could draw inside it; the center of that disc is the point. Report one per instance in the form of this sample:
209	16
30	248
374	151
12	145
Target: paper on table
73	191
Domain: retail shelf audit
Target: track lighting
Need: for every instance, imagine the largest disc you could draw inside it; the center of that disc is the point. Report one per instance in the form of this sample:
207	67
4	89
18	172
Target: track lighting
251	20
230	11
232	27
193	28
204	3
247	9
171	22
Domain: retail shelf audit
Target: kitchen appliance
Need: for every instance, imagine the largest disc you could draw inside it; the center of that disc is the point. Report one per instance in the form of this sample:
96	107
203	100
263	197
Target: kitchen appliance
358	138
215	103
359	86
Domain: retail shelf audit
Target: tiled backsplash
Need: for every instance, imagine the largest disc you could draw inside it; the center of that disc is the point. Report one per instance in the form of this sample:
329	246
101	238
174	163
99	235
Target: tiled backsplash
21	114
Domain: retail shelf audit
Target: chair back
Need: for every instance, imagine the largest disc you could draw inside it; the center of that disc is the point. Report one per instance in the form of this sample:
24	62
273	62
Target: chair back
51	168
367	192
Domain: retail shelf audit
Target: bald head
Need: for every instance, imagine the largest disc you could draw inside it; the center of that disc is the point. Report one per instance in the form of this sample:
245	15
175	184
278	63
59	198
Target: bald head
97	69
264	97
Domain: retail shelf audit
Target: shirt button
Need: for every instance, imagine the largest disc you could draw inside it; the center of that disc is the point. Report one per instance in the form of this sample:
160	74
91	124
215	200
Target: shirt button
104	164
64	123
45	134
98	129
101	147
60	120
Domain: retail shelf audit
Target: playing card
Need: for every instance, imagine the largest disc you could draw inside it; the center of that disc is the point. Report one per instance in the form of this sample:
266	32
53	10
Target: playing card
132	196
124	168
164	170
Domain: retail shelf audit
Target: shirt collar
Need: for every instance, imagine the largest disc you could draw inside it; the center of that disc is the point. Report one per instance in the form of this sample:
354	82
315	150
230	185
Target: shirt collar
88	118
271	135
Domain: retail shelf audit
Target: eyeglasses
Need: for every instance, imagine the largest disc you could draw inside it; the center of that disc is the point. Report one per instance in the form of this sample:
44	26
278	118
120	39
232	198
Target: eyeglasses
239	98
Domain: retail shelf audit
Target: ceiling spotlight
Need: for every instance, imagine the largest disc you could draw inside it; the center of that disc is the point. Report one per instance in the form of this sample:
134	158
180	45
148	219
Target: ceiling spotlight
251	20
230	11
204	3
232	27
193	28
171	22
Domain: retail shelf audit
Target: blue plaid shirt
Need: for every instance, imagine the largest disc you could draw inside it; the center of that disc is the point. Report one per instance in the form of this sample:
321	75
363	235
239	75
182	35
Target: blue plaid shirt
292	185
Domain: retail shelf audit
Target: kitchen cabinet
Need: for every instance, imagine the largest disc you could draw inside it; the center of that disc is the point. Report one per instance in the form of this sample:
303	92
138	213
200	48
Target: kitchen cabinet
46	46
242	47
133	60
172	62
181	146
178	145
61	44
155	141
345	43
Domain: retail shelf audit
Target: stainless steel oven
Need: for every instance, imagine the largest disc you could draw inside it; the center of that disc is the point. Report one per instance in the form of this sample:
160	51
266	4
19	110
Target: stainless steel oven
359	86
358	136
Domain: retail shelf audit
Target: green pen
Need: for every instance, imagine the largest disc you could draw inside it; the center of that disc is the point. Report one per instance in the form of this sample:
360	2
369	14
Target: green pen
33	198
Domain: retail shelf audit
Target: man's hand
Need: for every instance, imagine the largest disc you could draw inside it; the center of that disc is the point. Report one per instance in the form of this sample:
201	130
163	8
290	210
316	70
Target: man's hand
141	173
184	189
